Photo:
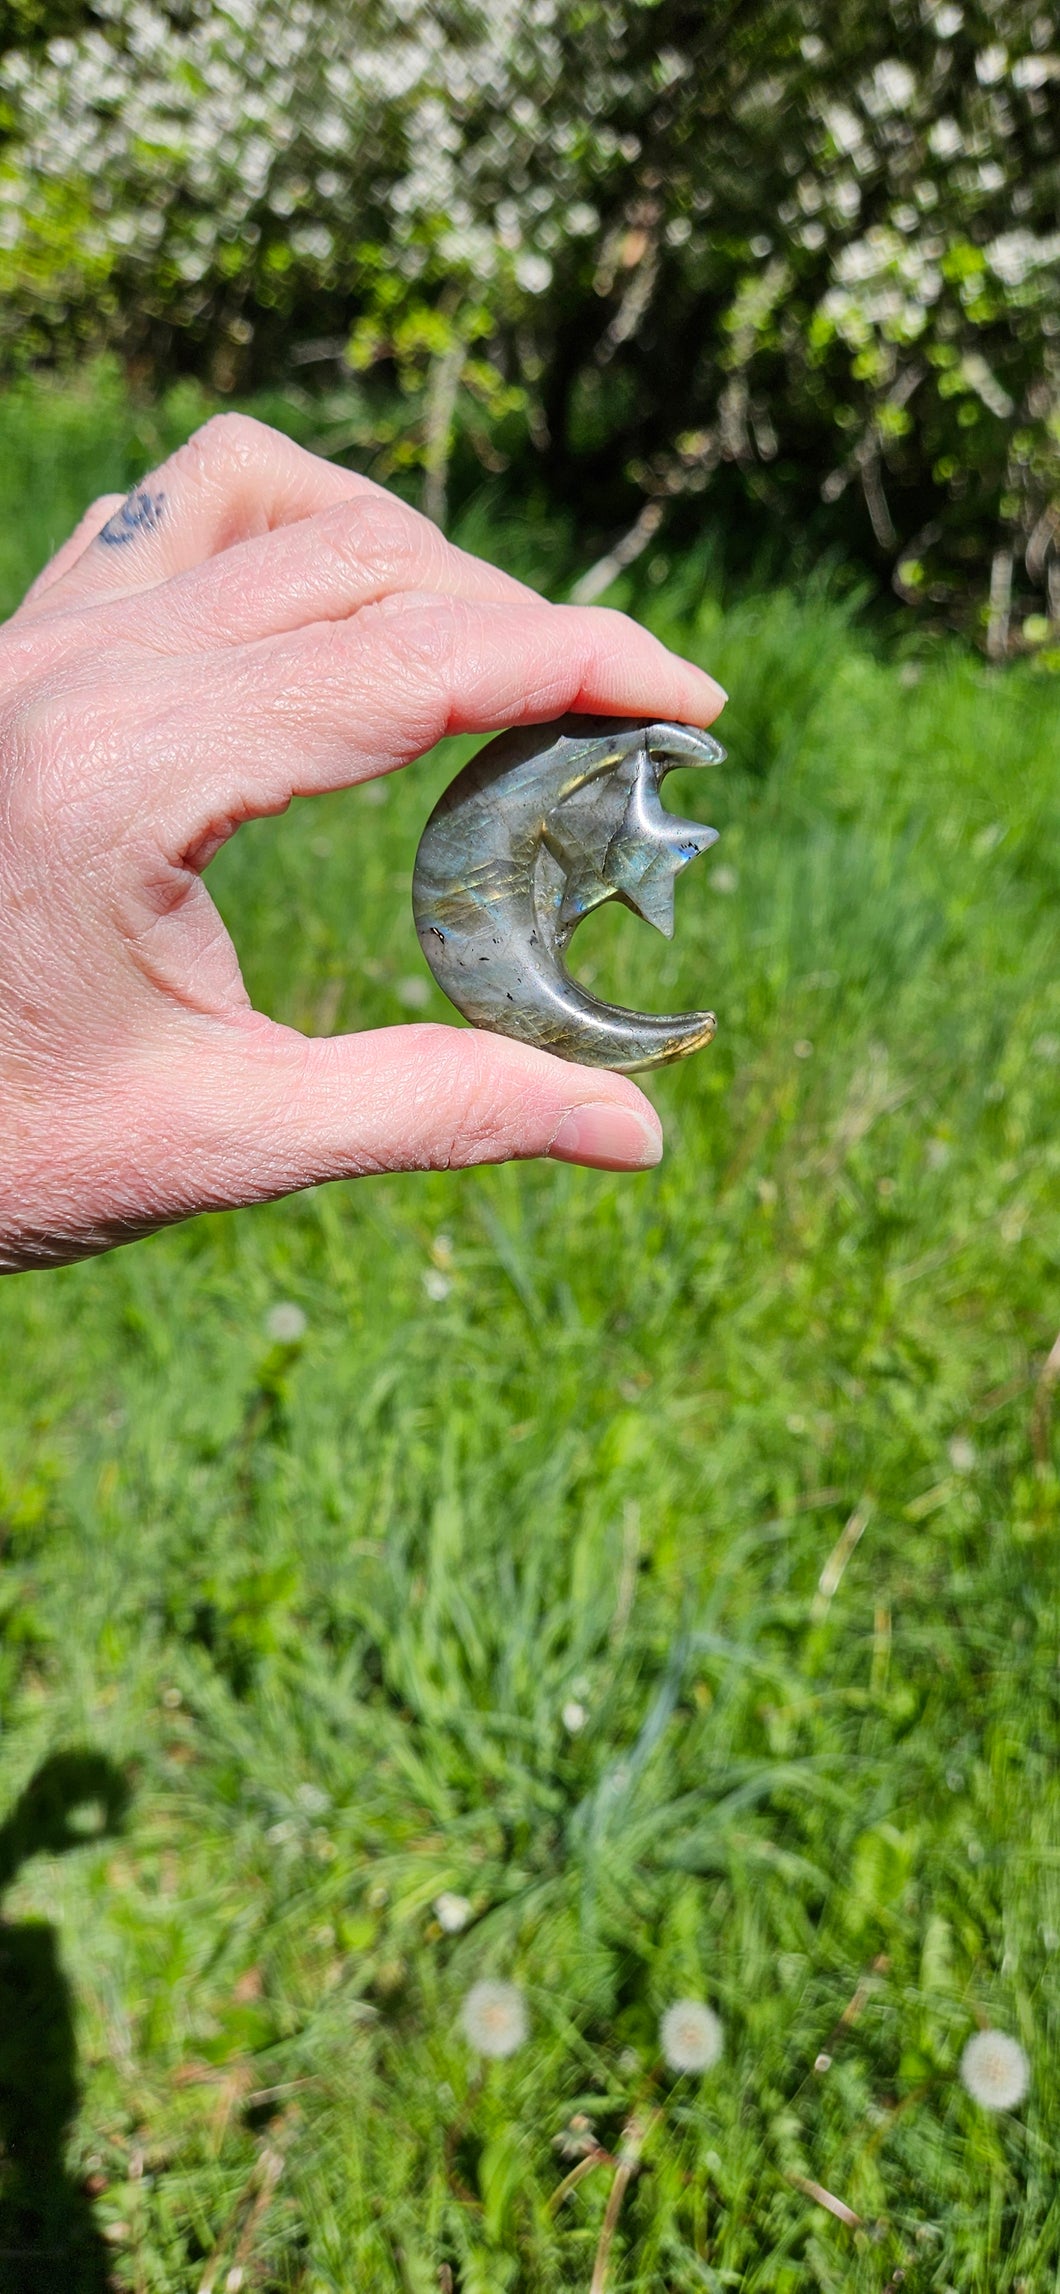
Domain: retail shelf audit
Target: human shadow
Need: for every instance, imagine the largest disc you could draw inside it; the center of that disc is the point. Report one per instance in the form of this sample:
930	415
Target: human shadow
49	2243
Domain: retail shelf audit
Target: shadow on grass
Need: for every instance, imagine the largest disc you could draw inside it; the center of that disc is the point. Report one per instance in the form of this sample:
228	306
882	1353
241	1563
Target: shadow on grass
49	2243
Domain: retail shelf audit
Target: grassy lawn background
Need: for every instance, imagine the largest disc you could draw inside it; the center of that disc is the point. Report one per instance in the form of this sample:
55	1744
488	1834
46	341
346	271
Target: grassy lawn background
749	1459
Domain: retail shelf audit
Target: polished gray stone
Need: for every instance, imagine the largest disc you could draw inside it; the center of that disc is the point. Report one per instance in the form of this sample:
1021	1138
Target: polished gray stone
545	824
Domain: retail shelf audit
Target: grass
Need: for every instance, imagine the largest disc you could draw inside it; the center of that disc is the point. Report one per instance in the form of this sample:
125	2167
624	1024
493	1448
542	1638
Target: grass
749	1460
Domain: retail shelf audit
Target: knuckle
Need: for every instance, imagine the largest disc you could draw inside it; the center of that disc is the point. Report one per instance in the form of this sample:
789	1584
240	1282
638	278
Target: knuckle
233	437
422	631
226	443
411	638
393	671
604	624
30	729
427	652
328	652
378	536
479	1114
57	766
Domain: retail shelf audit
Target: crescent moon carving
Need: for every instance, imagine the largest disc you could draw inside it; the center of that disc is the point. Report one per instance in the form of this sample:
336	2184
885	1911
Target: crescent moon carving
545	824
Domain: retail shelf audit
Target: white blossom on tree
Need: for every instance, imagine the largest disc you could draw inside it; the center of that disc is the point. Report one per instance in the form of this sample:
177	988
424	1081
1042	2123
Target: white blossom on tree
828	266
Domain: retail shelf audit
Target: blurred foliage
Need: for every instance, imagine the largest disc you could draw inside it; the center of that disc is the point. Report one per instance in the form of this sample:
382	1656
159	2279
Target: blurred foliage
31	24
805	257
752	1460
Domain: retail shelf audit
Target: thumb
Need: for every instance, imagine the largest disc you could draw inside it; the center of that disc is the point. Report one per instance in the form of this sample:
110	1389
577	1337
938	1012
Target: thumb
293	1110
221	1112
262	1111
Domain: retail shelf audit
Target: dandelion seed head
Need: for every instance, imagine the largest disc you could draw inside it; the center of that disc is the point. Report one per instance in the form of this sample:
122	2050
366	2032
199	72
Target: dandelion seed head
414	993
286	1322
691	2036
574	1717
995	2070
451	1911
494	2018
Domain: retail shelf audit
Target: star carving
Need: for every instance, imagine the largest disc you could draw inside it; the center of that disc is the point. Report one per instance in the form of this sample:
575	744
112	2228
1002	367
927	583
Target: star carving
615	840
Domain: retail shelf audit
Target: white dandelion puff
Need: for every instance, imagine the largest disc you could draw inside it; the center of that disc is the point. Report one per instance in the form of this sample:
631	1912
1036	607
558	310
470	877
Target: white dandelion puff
494	2018
451	1911
415	994
691	2036
574	1717
286	1323
995	2070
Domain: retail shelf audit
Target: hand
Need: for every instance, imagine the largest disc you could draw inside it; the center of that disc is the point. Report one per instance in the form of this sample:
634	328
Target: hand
254	624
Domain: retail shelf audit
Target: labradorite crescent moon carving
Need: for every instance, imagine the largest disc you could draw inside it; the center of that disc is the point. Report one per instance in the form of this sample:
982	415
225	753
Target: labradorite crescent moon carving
545	824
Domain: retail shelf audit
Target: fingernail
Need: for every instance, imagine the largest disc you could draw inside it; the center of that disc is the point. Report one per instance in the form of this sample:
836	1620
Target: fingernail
715	687
614	1138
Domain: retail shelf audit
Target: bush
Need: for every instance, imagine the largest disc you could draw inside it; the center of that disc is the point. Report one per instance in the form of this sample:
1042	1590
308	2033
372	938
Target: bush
805	258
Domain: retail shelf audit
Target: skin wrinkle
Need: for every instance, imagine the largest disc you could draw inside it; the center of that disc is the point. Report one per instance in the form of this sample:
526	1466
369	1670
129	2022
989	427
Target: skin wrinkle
213	979
137	1085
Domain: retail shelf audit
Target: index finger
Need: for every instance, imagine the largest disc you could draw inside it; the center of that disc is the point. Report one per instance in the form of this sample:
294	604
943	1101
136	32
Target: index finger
335	704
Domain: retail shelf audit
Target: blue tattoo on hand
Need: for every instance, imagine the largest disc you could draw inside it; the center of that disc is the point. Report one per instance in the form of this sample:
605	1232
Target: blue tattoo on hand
140	513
